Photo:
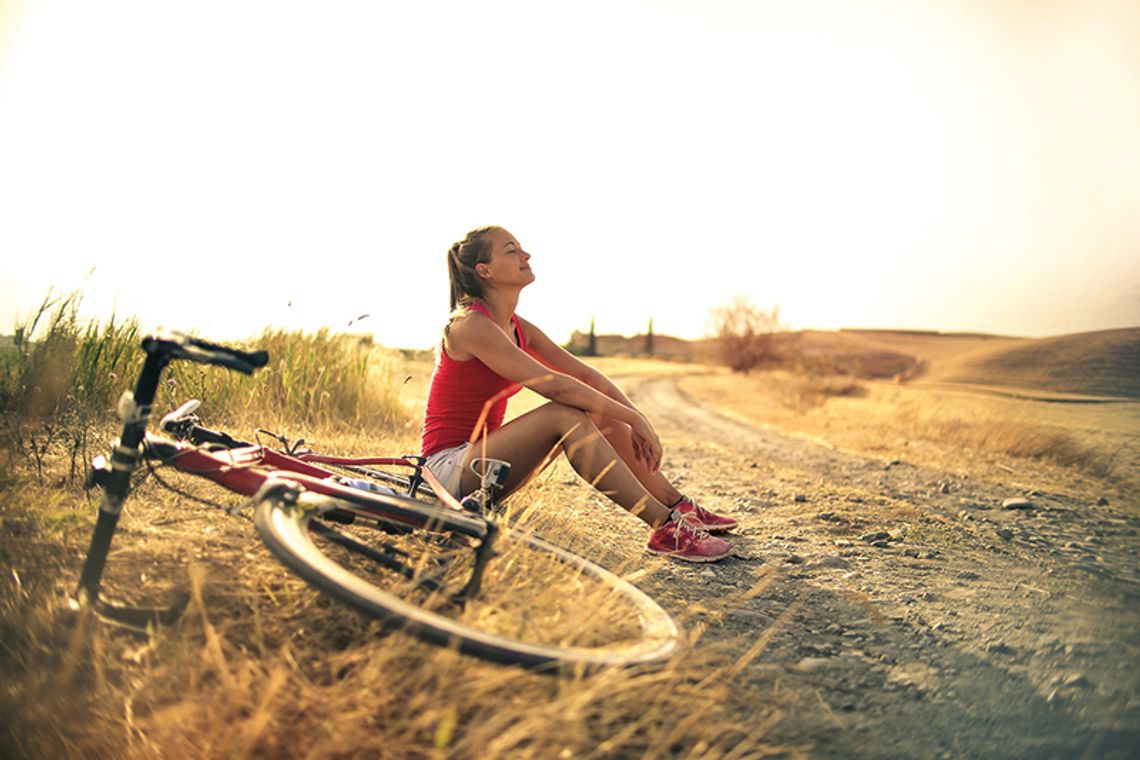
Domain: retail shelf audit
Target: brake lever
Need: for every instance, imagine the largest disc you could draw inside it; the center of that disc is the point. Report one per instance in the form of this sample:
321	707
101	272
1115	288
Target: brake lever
291	448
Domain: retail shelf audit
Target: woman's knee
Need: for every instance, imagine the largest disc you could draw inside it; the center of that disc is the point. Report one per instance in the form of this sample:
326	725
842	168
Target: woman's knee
567	418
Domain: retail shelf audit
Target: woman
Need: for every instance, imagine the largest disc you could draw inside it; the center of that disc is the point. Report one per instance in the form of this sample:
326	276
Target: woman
489	353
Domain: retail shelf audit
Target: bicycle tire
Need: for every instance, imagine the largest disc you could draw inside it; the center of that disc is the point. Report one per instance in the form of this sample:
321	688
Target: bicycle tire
288	530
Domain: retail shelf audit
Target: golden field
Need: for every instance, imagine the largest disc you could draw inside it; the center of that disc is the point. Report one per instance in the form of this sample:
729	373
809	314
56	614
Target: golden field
809	642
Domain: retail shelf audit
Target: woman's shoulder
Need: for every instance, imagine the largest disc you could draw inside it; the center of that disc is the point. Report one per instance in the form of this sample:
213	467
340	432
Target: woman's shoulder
467	326
464	315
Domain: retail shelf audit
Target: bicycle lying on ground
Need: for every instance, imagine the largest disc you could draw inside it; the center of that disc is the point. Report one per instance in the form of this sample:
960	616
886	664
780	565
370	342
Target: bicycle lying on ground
380	541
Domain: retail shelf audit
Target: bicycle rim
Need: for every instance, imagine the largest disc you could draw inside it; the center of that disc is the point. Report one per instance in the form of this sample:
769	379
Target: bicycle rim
539	606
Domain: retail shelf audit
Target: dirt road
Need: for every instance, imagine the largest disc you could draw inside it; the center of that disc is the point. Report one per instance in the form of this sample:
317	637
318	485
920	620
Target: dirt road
914	615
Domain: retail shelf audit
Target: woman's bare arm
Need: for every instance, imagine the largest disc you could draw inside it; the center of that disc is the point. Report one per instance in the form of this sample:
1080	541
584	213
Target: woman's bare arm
559	359
474	335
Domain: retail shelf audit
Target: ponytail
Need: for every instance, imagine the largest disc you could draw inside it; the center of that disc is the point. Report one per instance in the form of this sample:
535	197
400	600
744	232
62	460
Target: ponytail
455	276
462	257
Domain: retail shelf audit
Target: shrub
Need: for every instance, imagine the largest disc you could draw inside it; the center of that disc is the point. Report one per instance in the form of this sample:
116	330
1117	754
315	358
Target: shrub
743	333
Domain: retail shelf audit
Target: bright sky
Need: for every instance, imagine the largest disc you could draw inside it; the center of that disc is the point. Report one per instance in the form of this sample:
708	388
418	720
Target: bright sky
224	165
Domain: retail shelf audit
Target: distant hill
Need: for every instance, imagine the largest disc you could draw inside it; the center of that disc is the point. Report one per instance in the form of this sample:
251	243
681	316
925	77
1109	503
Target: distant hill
1103	363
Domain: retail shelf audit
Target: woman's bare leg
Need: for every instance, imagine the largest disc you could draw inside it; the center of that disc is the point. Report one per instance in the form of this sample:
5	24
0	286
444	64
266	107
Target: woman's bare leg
620	437
532	440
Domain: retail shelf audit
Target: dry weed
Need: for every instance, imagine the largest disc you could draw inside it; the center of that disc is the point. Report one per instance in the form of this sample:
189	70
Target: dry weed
260	665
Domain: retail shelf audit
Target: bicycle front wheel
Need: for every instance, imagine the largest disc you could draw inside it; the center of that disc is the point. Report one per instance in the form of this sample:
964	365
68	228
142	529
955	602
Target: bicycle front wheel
535	604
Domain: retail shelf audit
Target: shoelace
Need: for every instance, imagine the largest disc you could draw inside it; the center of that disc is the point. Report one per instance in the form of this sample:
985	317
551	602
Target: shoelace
700	512
698	533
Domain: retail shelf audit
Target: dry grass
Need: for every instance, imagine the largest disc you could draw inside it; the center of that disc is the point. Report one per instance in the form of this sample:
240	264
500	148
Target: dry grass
952	429
261	665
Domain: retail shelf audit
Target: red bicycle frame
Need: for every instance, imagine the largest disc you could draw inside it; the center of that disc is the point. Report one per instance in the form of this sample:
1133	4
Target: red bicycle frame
247	469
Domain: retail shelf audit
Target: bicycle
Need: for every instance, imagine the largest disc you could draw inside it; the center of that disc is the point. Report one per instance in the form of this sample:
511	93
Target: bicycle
405	554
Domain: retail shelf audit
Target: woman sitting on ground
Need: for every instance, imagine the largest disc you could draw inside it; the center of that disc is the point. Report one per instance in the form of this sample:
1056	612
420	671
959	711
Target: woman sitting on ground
488	353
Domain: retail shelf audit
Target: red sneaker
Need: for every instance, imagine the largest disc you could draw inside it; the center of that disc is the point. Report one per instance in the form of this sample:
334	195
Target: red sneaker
680	539
702	518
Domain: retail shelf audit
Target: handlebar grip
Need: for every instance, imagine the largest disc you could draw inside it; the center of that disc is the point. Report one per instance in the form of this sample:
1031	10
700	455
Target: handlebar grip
179	346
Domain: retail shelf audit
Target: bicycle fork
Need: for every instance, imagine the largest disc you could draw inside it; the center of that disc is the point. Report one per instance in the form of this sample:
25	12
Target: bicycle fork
114	479
483	553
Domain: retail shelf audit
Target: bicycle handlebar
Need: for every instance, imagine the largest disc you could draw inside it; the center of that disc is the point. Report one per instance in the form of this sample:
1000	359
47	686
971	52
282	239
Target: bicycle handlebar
180	346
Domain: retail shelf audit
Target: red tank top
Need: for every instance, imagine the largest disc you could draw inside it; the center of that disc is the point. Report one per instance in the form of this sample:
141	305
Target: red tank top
459	392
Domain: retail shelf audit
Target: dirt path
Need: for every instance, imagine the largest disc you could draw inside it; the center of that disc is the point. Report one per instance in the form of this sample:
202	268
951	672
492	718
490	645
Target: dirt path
914	615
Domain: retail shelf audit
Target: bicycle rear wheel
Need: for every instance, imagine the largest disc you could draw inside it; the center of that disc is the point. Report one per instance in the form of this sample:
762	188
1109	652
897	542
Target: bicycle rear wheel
537	605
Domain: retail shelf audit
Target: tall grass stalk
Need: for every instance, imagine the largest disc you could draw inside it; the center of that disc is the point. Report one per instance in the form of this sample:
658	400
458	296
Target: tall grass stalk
59	365
61	377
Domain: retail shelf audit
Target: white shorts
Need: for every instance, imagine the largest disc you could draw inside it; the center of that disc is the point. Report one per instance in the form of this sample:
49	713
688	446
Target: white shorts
447	465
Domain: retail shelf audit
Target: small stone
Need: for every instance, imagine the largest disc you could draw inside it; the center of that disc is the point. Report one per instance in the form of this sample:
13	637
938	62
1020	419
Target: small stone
810	664
843	543
799	498
944	488
968	575
751	618
1017	503
1005	533
832	563
1102	501
1077	679
794	559
881	535
881	544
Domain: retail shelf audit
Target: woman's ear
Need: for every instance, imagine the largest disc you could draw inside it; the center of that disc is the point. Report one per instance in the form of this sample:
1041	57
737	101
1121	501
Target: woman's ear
483	270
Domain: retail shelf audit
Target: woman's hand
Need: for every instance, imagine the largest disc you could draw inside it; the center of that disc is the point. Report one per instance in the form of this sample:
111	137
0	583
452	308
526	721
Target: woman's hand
646	444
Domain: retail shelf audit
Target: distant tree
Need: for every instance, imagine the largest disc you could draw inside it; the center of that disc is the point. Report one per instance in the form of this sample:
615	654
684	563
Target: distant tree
743	332
592	340
649	338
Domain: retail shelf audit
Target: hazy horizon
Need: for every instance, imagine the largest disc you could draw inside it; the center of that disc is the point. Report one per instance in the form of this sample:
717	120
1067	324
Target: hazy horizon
945	166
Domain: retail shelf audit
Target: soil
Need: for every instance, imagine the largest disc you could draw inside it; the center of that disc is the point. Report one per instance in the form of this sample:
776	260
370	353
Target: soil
911	614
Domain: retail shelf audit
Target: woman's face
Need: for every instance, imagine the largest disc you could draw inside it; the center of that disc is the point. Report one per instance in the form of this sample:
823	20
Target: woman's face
509	264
